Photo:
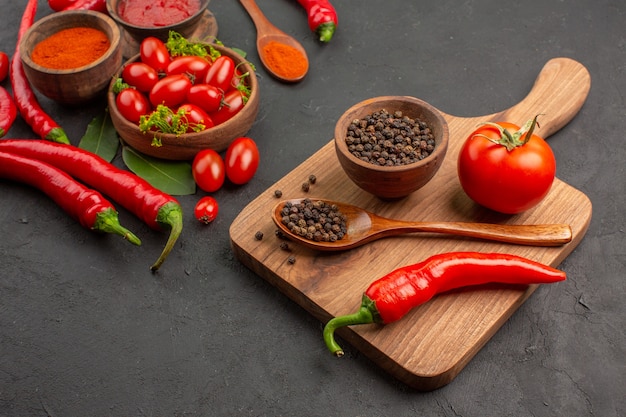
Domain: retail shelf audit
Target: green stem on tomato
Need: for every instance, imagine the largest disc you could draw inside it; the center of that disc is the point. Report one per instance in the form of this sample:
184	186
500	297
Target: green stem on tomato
170	215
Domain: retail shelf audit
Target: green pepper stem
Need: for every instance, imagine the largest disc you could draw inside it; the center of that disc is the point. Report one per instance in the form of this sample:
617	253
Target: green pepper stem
325	31
363	316
108	222
58	135
170	214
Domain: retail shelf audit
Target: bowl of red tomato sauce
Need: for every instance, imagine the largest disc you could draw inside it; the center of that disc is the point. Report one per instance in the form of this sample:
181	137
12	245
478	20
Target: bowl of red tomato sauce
143	18
168	109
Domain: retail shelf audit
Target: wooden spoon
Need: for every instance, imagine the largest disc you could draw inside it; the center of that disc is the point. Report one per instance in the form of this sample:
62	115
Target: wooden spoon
266	33
364	227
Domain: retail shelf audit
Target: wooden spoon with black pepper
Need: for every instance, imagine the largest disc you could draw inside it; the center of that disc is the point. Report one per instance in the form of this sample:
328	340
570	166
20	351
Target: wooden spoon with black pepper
363	226
269	36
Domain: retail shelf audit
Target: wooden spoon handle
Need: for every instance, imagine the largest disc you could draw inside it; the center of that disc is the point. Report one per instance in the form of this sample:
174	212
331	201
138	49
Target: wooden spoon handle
535	235
262	23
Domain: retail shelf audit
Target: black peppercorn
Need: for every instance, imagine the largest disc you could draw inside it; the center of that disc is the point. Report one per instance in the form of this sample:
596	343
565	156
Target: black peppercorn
258	235
388	139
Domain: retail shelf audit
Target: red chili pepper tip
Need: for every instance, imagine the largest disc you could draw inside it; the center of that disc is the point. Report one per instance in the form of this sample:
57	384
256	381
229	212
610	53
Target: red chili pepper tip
170	214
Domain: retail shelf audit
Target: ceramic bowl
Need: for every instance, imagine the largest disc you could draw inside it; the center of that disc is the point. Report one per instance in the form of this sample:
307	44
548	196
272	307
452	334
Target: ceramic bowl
185	27
186	146
392	182
77	85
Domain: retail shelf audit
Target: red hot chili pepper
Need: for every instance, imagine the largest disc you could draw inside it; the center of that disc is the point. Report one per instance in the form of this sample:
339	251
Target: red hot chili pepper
87	206
391	297
322	18
157	209
8	111
94	5
25	99
4	66
58	5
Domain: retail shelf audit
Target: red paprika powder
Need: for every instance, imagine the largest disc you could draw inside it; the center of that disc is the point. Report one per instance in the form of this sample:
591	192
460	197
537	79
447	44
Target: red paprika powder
285	60
71	48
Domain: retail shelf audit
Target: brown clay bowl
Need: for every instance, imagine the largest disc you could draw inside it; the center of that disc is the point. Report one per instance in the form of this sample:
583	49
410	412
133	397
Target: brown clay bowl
77	85
184	27
392	182
185	147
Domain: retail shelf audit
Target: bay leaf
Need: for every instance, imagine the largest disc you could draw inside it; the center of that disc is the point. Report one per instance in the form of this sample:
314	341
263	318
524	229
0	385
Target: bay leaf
101	137
171	177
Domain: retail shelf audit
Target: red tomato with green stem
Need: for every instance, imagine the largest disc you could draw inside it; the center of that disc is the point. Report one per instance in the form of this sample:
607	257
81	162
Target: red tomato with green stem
4	65
208	170
505	168
194	66
132	104
232	103
242	160
196	117
140	75
206	209
170	90
206	96
153	52
221	73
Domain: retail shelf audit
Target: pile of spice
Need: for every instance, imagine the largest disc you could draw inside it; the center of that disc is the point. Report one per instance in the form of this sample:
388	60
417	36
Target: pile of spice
314	220
386	139
150	13
285	60
71	48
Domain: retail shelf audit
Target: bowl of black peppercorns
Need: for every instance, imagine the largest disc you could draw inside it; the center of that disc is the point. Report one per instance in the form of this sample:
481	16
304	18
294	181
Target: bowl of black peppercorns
391	146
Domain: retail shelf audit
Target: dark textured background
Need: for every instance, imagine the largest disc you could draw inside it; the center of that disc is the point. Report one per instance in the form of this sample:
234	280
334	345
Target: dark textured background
87	330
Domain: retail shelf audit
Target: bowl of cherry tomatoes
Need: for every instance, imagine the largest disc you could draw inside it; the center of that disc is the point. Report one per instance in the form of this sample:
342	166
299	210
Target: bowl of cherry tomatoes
171	105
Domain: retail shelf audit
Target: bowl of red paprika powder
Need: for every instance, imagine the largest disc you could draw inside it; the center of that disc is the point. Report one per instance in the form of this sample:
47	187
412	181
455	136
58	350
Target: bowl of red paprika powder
70	57
144	18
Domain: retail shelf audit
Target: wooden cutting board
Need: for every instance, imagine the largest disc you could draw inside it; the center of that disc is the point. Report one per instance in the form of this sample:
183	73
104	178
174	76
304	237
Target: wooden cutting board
432	344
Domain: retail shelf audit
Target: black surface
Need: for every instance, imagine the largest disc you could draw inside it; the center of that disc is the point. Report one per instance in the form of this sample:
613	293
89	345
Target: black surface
87	330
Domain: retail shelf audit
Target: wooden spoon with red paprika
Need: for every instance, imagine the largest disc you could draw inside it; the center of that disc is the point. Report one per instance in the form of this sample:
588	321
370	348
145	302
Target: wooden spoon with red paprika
282	55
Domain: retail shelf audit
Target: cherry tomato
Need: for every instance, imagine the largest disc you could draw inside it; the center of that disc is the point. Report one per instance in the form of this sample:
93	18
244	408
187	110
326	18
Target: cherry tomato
140	75
242	160
196	116
220	74
170	90
507	181
208	170
206	209
4	66
206	96
231	105
154	53
132	104
194	66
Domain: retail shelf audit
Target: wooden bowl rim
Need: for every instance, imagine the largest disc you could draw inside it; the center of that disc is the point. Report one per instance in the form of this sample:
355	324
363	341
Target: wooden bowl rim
112	9
439	150
172	138
115	39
